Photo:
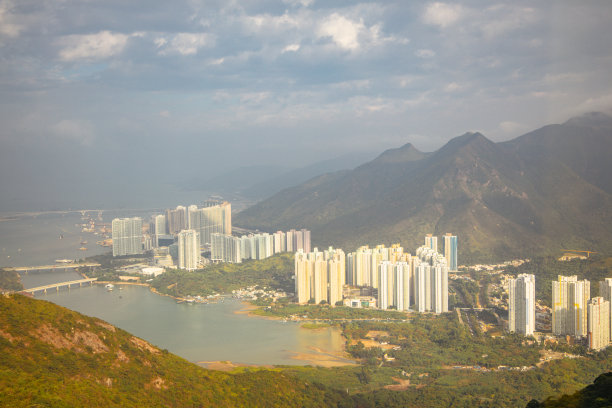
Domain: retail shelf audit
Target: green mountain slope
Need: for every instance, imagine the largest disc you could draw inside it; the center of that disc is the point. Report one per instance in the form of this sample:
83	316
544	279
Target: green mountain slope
51	356
598	394
542	192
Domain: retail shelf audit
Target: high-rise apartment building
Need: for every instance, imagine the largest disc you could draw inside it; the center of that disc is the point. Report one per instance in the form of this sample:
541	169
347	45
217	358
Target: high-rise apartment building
598	315
319	276
213	219
430	281
127	236
362	265
176	219
394	285
188	250
159	228
569	306
225	248
605	291
431	241
450	251
521	304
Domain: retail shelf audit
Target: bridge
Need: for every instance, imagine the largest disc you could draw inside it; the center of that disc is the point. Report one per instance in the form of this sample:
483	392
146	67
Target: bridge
51	267
57	286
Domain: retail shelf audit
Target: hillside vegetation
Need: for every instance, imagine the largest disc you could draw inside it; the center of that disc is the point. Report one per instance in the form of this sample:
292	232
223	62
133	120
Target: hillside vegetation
274	272
51	356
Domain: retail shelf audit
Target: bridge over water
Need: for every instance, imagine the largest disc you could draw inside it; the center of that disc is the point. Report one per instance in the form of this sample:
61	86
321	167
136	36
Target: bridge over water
57	286
51	267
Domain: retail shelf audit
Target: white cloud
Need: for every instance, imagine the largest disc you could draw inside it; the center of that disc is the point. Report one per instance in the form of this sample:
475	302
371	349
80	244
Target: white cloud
291	48
343	32
425	53
184	43
453	87
296	3
75	131
160	42
92	46
8	26
442	14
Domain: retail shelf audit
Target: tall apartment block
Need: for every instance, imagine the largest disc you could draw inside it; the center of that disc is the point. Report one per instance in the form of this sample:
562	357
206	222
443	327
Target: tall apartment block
127	236
319	276
225	248
431	241
176	219
450	251
214	219
521	304
569	306
430	281
188	250
394	285
605	291
159	228
362	265
598	315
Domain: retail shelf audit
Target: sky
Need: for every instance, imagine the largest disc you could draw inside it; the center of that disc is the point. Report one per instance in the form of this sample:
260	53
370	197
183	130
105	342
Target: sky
157	90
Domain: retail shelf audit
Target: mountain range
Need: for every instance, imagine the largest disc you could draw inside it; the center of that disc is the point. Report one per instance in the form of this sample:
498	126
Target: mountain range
545	191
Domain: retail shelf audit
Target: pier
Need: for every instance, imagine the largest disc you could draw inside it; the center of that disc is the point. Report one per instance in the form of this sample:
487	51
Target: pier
57	286
51	267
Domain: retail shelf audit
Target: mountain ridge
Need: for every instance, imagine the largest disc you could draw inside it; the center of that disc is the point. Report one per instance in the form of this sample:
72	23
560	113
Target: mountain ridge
540	192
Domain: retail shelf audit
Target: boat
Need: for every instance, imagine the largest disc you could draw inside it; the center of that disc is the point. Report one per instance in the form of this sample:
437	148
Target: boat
109	286
82	249
63	261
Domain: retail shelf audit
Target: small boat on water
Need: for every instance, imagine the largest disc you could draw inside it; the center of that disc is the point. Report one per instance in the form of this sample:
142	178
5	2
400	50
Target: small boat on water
109	286
63	261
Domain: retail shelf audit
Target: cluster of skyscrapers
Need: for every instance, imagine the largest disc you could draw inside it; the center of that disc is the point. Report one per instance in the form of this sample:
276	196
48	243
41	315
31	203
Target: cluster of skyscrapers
184	229
210	219
320	276
574	313
225	248
403	281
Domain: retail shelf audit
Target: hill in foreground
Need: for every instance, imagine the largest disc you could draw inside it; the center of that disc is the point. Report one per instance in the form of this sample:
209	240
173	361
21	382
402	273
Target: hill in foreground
598	394
542	192
51	356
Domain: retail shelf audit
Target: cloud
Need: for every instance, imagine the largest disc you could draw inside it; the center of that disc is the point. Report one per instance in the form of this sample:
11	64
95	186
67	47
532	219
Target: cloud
291	48
442	14
75	131
184	43
296	3
425	53
500	19
344	33
8	26
92	46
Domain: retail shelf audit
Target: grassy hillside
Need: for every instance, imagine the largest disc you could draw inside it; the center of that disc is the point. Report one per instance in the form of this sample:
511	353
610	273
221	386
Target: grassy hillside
598	394
274	272
51	356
